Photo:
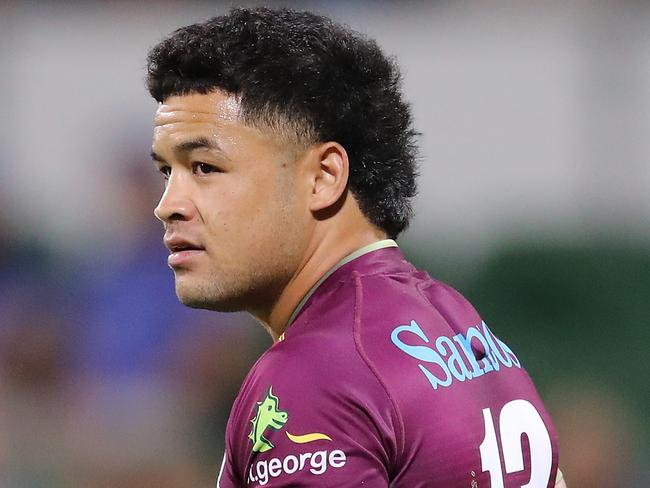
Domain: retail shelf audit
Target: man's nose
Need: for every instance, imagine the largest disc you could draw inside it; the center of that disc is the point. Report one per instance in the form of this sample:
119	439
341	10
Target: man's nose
175	203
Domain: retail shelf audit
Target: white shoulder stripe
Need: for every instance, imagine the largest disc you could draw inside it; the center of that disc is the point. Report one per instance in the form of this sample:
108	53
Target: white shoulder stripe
223	463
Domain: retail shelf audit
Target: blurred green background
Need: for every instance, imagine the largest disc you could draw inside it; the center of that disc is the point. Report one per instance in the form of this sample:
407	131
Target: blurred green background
534	202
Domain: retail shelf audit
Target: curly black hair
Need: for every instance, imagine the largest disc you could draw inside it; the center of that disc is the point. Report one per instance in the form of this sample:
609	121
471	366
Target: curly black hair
320	79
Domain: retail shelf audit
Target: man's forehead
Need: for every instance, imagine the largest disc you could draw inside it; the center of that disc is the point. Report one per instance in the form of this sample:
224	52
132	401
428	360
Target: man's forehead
214	117
215	106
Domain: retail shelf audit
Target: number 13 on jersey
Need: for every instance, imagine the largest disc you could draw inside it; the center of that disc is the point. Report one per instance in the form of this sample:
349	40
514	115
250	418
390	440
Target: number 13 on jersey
516	418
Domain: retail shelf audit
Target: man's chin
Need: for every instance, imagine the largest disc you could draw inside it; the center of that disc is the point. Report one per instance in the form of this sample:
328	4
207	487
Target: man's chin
205	301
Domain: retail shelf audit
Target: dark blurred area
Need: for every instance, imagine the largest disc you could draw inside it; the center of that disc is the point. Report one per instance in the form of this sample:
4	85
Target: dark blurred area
105	379
577	315
534	202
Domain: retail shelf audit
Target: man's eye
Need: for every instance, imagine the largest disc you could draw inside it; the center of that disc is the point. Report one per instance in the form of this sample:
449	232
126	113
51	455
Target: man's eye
204	168
165	171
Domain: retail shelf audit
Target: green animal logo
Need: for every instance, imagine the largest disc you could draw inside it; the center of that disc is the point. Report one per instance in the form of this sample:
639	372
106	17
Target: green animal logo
268	415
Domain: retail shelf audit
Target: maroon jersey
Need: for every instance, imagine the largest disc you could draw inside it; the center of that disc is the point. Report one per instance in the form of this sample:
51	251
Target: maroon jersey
387	377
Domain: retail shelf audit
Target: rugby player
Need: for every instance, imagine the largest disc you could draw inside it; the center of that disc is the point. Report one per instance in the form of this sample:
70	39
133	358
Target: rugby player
289	158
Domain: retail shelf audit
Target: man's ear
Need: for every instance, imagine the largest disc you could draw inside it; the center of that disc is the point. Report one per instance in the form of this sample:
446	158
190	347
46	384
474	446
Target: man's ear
330	179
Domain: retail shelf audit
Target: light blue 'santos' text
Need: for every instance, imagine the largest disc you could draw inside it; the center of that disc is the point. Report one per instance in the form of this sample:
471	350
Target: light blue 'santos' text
450	359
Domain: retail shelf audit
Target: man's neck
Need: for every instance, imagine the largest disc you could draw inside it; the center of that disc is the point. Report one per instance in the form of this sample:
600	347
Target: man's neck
319	260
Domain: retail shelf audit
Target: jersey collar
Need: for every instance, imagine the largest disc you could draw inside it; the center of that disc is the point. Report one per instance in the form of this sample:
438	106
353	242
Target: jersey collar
350	257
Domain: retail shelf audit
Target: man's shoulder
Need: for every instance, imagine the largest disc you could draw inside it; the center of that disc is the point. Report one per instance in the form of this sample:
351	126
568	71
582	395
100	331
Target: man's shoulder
318	367
394	289
406	285
311	393
327	340
315	361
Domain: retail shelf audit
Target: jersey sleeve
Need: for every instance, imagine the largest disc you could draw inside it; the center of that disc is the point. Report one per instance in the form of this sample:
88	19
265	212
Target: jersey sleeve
328	423
226	477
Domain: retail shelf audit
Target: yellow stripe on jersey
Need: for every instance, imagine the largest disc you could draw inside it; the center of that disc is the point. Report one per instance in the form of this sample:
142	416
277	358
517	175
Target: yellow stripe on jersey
303	439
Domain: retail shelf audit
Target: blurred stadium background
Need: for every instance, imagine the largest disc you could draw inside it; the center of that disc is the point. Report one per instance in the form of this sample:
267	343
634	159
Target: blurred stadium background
534	201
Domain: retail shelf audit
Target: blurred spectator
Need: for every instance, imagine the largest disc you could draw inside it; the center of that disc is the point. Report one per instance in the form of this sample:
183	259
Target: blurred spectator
155	378
34	391
599	436
208	367
128	310
25	264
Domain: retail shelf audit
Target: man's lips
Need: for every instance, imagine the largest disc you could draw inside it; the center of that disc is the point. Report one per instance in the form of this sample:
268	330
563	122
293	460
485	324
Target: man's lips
178	243
182	250
181	258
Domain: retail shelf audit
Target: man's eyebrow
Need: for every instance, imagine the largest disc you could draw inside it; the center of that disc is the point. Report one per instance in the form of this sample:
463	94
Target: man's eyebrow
188	146
156	157
198	143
